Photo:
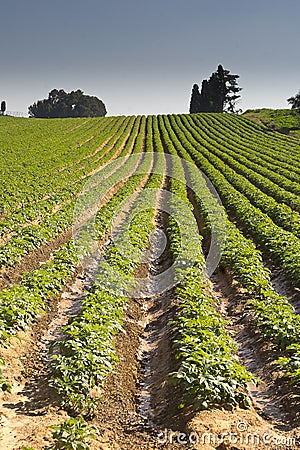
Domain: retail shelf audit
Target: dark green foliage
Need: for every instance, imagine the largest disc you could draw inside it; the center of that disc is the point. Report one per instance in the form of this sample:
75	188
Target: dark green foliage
3	107
63	104
218	94
195	103
295	101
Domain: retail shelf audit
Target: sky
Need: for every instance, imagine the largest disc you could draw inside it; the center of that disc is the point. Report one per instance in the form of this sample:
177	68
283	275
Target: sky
143	57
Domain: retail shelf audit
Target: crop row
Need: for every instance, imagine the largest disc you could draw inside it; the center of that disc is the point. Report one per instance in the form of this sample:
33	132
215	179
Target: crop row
87	354
45	208
27	161
280	213
59	187
24	301
208	371
281	245
273	189
32	237
258	151
242	258
37	172
275	141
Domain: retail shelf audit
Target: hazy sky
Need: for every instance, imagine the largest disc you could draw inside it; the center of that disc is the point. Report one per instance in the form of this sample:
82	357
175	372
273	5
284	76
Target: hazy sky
142	57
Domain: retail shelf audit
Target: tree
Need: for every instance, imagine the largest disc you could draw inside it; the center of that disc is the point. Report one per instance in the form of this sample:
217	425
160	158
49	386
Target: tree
195	102
231	90
3	107
219	93
62	104
295	101
206	98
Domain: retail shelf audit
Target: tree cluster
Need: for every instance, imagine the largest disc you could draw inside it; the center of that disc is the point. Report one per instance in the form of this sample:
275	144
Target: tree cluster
295	102
218	94
62	104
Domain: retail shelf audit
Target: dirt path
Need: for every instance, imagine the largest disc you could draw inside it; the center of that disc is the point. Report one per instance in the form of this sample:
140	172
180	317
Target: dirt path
283	286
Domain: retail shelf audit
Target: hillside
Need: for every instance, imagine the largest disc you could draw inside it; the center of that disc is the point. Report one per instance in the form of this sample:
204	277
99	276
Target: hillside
283	120
149	282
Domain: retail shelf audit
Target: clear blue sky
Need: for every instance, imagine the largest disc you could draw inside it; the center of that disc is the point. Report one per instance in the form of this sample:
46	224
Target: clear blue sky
142	57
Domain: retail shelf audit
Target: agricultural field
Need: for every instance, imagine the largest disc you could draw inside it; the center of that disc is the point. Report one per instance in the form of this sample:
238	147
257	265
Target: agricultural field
150	283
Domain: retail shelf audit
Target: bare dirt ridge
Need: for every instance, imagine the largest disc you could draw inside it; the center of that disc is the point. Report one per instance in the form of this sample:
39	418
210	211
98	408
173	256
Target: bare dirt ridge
137	399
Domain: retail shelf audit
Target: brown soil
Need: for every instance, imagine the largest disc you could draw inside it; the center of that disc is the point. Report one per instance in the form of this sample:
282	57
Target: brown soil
249	432
119	424
284	287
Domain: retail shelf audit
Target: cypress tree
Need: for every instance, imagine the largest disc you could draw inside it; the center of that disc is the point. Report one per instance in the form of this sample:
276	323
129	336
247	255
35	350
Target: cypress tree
3	107
195	103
